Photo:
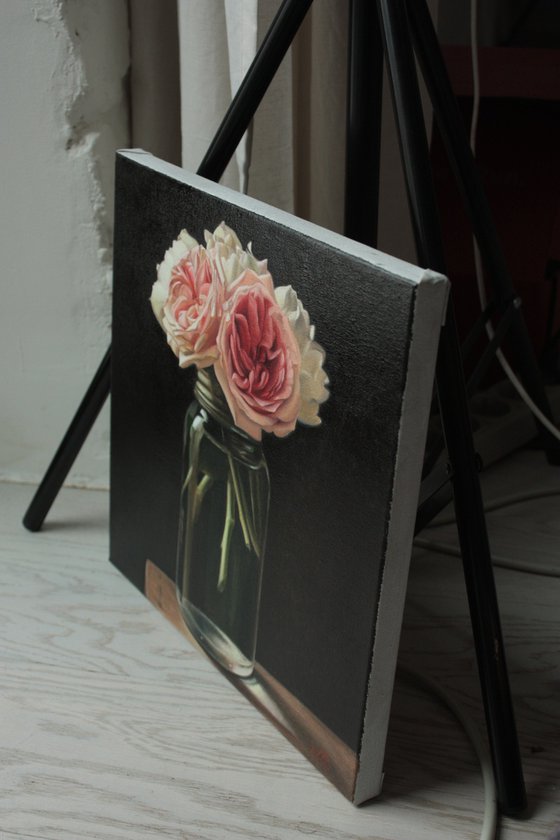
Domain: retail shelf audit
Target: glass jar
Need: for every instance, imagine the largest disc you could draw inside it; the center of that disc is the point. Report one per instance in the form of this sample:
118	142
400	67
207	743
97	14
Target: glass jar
222	529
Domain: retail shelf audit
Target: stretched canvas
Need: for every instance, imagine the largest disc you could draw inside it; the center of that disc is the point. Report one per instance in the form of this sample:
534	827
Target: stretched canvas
271	384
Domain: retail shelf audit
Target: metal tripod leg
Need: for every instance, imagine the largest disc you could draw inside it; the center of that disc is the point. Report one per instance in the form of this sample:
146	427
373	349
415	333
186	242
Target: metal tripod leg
363	122
71	443
233	126
471	521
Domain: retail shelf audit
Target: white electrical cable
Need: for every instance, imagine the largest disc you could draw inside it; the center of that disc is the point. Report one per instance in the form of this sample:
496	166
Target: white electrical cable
490	820
502	562
497	560
501	502
477	260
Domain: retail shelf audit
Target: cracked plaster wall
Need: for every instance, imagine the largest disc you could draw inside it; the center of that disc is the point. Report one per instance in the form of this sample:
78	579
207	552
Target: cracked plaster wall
64	105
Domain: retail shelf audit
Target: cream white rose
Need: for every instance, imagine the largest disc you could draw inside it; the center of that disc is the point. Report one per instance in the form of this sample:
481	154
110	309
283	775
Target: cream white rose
313	379
232	261
160	290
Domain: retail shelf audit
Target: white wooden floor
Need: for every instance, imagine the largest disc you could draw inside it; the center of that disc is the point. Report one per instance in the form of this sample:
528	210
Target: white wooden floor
111	728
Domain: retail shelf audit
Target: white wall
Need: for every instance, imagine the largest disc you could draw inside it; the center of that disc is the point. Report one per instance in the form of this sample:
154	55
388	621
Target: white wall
63	107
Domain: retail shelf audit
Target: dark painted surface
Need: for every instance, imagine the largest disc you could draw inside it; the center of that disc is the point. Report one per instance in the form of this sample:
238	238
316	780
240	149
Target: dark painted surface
330	486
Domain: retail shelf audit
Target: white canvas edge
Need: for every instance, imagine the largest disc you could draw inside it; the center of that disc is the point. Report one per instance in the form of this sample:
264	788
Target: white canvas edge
391	265
429	313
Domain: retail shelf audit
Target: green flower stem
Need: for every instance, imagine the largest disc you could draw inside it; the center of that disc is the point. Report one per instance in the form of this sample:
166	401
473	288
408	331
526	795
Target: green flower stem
203	485
187	479
229	525
240	505
197	431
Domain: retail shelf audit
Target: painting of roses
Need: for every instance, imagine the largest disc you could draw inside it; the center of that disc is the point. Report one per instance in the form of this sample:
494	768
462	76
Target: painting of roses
259	369
271	386
218	306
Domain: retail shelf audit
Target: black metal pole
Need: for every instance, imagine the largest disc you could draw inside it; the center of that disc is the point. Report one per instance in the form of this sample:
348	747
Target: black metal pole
452	130
70	445
471	521
233	126
363	122
253	88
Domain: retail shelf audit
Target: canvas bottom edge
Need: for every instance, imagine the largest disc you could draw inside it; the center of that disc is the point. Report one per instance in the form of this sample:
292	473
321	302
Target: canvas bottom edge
317	742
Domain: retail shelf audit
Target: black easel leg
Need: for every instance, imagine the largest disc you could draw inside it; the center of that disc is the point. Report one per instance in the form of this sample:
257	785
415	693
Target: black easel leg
70	445
479	576
253	87
363	122
471	522
466	174
233	126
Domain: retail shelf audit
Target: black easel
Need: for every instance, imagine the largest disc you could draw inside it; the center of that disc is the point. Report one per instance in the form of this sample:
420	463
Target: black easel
390	29
462	472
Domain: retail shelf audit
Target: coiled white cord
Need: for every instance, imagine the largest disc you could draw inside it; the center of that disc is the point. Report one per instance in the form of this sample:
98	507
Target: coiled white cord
490	819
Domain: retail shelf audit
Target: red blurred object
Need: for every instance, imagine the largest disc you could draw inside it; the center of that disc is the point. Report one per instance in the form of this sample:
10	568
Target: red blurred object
518	156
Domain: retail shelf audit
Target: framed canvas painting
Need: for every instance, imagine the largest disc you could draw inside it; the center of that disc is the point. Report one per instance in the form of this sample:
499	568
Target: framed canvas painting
271	385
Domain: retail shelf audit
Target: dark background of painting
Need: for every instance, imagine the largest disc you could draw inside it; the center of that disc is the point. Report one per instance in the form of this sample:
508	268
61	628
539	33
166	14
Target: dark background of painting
330	486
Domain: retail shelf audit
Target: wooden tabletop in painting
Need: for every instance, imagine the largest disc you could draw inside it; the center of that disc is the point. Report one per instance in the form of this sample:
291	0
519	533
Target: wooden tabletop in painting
113	726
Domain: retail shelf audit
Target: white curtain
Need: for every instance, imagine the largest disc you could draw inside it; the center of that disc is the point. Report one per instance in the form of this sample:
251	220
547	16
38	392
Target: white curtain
155	103
293	155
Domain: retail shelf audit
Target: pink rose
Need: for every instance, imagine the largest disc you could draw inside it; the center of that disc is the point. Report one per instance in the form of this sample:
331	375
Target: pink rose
192	307
248	277
259	363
